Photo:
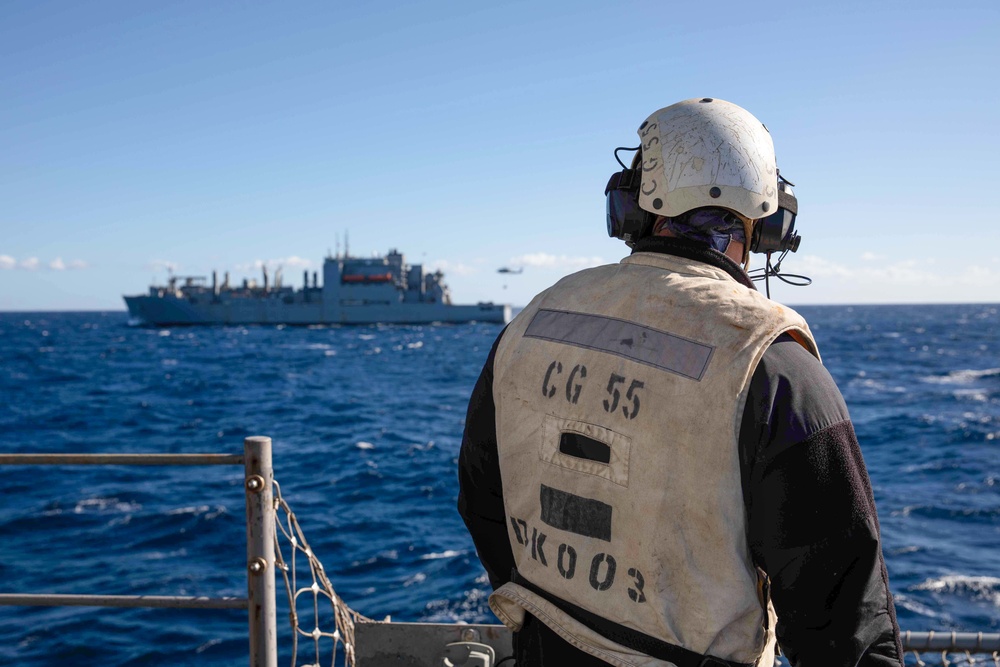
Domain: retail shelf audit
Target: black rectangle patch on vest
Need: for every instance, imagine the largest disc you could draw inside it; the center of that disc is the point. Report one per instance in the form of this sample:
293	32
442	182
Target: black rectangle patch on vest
643	344
583	447
575	514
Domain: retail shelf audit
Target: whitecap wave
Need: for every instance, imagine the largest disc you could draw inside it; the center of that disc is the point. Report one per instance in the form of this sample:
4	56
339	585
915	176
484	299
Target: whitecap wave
101	505
974	395
418	578
450	553
207	645
875	385
208	511
975	587
904	601
965	376
164	555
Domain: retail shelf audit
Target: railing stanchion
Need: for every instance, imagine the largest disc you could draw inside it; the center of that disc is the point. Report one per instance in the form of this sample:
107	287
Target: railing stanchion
260	551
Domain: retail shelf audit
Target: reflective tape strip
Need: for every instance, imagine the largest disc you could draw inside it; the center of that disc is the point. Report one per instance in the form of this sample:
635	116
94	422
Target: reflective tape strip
625	339
575	514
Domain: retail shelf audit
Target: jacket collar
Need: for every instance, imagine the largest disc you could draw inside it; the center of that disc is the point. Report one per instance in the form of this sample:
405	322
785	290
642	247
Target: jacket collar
694	250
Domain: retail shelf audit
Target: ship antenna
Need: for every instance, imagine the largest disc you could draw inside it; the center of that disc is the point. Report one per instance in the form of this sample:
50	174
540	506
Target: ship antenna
347	246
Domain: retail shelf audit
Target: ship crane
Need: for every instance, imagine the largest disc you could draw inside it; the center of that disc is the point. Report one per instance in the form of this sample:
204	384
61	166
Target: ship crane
189	281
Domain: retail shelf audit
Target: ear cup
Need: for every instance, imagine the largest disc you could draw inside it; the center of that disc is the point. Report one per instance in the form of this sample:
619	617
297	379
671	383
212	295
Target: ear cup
625	219
776	232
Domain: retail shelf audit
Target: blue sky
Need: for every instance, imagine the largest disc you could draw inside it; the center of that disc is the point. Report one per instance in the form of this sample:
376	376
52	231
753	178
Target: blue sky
470	136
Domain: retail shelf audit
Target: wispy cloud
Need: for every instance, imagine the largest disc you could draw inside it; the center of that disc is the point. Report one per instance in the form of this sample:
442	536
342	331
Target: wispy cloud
451	268
33	264
547	261
162	265
291	262
903	273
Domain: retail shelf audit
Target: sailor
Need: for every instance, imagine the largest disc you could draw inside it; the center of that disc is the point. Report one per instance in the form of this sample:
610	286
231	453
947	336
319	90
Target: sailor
656	467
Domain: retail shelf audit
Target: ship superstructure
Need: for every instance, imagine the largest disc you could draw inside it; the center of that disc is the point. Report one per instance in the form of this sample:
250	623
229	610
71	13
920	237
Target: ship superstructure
355	290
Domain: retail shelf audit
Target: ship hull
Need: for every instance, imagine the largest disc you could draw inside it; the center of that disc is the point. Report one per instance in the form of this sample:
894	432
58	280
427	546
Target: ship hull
171	311
356	290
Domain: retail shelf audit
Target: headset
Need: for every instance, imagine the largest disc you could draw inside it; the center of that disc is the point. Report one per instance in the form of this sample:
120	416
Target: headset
626	220
776	232
629	222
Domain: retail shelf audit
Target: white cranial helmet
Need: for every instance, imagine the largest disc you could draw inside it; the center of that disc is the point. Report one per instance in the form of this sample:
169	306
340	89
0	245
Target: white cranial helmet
707	152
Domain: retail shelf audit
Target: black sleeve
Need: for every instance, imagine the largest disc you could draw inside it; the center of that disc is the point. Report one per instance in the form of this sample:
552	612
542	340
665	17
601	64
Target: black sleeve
480	492
812	523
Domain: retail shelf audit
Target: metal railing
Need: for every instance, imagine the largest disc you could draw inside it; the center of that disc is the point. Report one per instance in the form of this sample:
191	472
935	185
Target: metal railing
952	642
260	602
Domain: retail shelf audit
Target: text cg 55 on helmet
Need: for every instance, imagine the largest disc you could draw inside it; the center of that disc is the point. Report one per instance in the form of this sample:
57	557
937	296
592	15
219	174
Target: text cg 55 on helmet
698	153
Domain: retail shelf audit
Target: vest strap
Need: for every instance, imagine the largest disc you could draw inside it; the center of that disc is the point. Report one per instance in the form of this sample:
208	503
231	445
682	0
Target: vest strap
628	637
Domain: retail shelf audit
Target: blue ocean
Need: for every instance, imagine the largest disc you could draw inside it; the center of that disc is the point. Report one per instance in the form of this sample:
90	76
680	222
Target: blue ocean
366	423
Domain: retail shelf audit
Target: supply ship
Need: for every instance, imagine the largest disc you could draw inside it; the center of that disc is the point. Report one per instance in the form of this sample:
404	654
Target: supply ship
355	290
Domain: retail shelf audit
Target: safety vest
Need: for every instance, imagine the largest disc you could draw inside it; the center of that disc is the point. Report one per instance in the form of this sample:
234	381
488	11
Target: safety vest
619	397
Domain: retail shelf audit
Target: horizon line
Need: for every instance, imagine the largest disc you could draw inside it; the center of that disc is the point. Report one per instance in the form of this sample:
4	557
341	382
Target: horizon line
790	305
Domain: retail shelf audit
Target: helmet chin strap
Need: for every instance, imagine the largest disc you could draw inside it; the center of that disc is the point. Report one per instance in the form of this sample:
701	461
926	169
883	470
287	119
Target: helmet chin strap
748	232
